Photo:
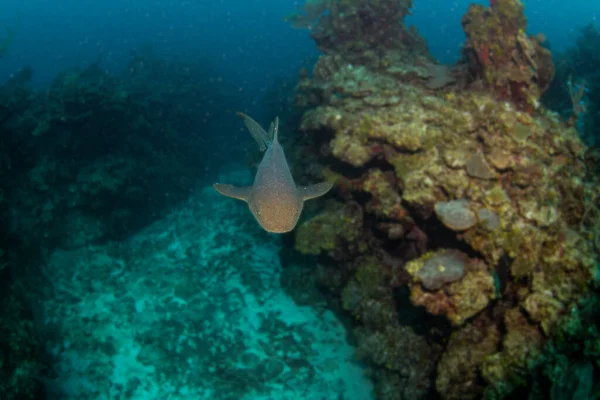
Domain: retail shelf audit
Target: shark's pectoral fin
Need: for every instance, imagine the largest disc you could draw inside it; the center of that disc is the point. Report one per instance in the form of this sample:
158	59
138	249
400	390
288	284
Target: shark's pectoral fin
240	193
316	190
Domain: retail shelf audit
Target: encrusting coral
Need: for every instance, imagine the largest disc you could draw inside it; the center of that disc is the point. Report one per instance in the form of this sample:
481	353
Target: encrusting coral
475	202
449	283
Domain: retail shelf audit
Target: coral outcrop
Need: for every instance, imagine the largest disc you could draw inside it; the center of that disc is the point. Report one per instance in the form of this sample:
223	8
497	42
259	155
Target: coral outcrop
512	64
475	203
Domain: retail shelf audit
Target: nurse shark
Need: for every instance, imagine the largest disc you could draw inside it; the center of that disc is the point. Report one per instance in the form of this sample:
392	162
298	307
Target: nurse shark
274	199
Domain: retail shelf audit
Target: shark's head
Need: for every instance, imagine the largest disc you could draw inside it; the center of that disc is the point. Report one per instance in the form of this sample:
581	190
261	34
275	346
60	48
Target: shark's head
277	213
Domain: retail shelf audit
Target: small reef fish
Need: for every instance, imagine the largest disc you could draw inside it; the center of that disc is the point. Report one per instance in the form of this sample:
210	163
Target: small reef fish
274	199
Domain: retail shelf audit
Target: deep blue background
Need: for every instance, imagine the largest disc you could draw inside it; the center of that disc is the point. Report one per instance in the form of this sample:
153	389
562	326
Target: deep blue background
247	40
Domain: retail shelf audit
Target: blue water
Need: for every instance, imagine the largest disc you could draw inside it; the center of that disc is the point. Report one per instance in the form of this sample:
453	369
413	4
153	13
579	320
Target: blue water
247	40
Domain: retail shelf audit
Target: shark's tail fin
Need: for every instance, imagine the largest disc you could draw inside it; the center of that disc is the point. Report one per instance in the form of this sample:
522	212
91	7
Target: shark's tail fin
258	133
274	129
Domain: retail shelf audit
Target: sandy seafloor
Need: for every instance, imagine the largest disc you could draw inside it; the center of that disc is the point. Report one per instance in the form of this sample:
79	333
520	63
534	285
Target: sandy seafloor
191	307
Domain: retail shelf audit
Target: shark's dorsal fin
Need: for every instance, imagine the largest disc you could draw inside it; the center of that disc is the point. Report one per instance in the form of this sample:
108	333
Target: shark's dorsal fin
240	193
316	190
258	133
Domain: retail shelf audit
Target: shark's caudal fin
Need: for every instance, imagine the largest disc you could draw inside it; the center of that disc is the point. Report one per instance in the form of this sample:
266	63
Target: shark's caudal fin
271	130
258	133
275	127
240	193
314	191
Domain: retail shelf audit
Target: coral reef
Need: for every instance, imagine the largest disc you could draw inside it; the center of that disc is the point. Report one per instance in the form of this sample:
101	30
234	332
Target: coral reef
448	283
575	93
514	66
367	31
476	204
565	368
20	346
357	26
321	233
90	159
467	349
94	146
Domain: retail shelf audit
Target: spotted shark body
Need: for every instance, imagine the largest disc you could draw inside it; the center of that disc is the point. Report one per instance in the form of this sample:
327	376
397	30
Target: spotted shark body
274	199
